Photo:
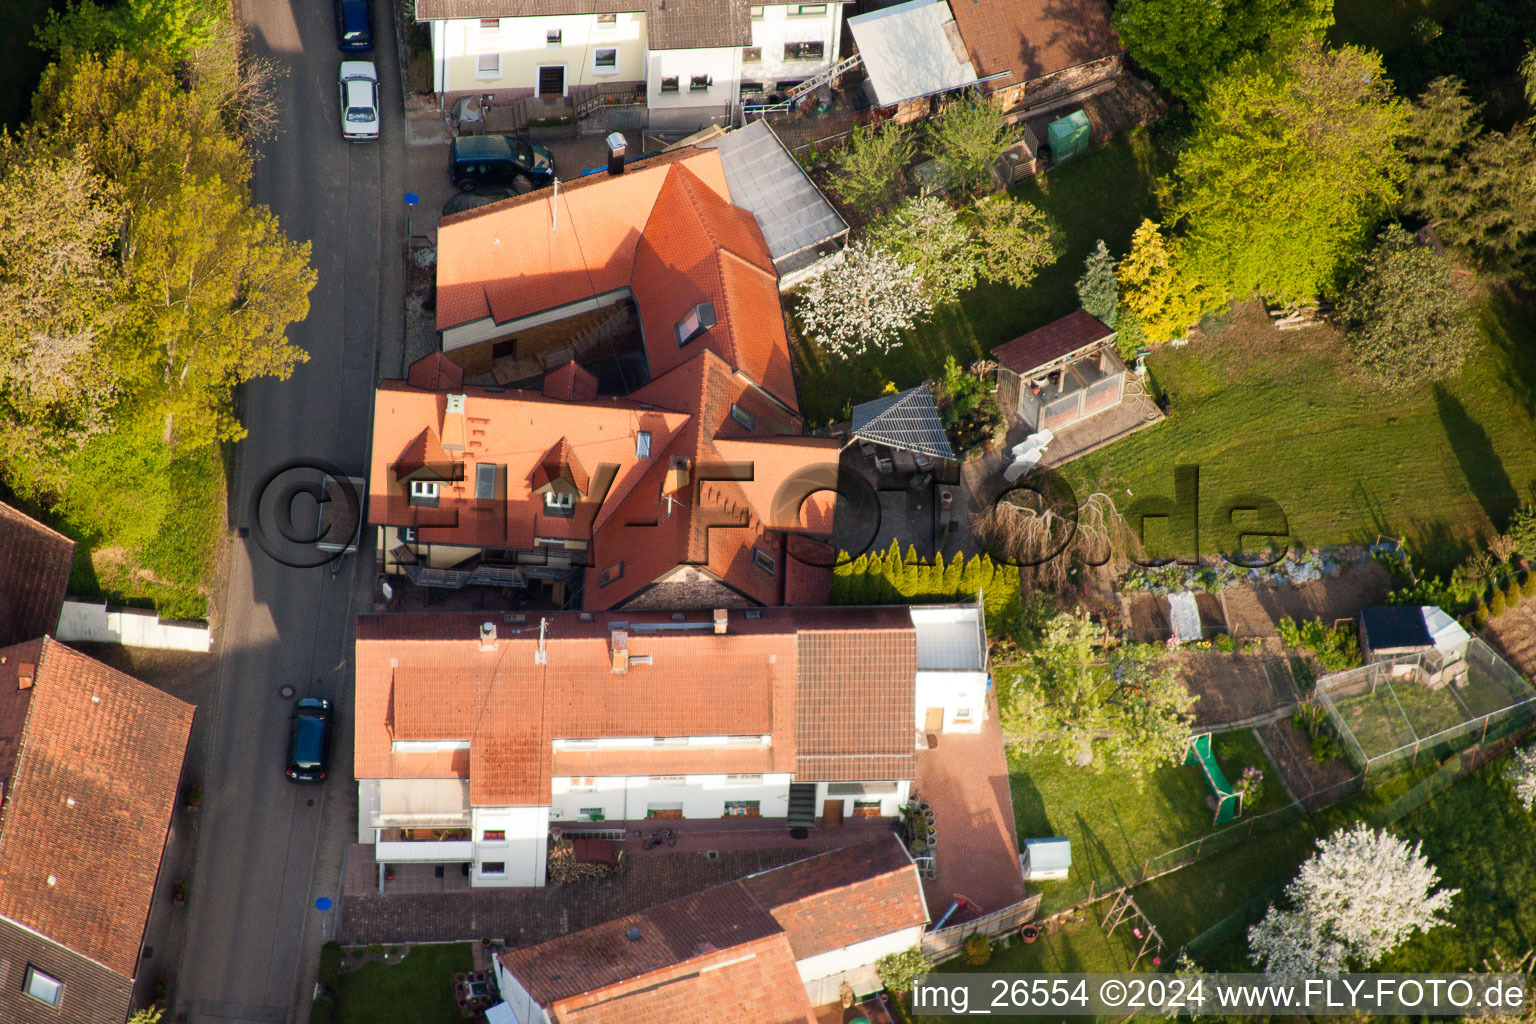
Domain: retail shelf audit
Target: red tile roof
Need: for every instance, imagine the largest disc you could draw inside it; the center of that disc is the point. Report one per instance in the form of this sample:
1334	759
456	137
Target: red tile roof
88	803
428	677
569	383
1033	38
857	716
1076	330
34	574
728	953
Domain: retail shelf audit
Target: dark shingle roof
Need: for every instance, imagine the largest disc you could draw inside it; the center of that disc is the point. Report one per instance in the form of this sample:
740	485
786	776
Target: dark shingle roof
909	421
34	573
1388	628
1075	331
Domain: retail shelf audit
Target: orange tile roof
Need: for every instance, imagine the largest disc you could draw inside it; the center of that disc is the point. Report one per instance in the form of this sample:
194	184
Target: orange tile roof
34	574
88	803
569	382
727	953
426	677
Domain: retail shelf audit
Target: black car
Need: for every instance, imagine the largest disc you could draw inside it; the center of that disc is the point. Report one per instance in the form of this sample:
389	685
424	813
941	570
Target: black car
354	26
477	160
309	740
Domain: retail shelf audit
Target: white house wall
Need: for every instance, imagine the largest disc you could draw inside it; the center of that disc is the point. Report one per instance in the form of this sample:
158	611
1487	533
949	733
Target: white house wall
890	803
622	798
777	28
525	850
516	997
685	108
523	46
860	954
954	692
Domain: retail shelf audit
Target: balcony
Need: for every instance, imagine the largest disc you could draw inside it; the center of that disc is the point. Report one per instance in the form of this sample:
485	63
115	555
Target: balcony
424	845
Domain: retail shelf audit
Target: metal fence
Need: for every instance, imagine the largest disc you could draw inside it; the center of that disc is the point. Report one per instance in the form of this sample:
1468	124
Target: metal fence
1425	704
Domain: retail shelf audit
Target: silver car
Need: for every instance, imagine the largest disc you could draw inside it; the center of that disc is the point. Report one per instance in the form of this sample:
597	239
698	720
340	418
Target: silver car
359	100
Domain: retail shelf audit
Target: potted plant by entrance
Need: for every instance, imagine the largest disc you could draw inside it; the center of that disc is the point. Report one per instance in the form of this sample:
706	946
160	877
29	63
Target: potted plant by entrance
194	797
179	891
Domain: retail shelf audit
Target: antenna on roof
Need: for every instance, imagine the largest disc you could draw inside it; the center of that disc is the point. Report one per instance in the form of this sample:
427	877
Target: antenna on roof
670	502
541	656
554	209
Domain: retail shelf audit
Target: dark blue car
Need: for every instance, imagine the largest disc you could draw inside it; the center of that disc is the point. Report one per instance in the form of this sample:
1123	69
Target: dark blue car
354	26
309	740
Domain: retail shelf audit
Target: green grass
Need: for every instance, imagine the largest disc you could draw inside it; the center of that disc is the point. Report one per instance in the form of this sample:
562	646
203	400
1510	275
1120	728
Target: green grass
20	64
1114	825
417	990
1103	194
1384	25
1284	414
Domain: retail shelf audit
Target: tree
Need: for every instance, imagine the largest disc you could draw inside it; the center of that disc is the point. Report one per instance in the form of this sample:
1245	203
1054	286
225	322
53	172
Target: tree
149	1016
1153	285
926	234
1052	535
1521	775
898	972
1292	161
1015	240
1477	187
1522	530
1187	44
863	300
171	27
1405	318
1097	289
1096	703
1528	74
868	168
1362	893
967	137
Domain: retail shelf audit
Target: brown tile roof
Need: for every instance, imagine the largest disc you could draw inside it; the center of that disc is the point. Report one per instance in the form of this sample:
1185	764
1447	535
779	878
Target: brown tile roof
569	383
88	805
670	24
436	372
727	953
92	994
34	574
425	677
1077	330
1033	38
844	896
856	718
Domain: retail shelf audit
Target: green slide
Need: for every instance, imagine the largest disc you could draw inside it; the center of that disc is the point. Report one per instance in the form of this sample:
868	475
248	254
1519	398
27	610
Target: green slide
1228	802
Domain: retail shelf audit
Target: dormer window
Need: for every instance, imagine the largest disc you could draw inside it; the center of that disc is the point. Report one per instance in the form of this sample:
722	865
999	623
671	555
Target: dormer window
425	492
559	503
699	319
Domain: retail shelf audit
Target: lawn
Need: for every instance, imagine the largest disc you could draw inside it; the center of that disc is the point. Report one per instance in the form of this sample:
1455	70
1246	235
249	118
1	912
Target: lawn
417	990
20	64
1103	194
1284	415
1116	826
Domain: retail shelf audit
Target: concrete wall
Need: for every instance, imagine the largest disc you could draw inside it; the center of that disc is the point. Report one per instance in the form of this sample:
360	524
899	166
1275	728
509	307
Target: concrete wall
89	622
686	108
525	851
778	27
524	48
700	796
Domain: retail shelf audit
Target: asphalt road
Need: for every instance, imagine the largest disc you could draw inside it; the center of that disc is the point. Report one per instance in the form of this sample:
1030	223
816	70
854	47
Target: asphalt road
269	848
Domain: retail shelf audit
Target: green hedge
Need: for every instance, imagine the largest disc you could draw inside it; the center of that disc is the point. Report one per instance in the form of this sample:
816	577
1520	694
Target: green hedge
890	578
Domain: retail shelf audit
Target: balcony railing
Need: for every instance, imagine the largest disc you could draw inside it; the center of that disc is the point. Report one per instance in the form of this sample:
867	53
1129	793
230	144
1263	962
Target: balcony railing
423	852
425	835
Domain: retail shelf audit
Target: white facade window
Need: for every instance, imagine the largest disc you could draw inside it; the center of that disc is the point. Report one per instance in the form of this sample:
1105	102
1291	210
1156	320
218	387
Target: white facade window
963	714
757	12
804	51
700	83
488	66
807	10
408	534
591	813
752	55
552	38
45	988
669	83
493	867
605	61
489	25
429	488
582	784
555	501
607	19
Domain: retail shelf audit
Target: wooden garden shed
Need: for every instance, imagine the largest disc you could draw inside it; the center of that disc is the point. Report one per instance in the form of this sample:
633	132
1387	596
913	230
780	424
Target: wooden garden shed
1065	371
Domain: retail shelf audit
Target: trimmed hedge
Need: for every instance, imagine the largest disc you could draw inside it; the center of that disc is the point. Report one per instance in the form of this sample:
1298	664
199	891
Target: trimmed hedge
890	578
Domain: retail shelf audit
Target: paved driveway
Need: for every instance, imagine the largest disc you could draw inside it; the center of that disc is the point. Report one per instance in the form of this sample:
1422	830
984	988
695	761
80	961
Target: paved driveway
269	848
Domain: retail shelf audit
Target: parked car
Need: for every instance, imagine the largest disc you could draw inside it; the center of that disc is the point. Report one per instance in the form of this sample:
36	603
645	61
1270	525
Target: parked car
354	26
476	160
359	100
309	740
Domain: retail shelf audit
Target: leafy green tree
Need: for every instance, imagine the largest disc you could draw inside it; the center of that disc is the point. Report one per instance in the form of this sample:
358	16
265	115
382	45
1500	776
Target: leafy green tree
1097	290
1528	74
173	28
898	972
149	1016
1153	285
1096	704
868	168
1404	315
1478	187
926	234
1015	240
1188	44
968	137
1293	159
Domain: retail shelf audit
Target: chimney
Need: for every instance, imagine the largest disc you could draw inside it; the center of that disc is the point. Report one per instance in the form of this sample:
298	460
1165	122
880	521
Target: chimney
677	476
487	636
24	674
618	146
720	621
618	643
453	424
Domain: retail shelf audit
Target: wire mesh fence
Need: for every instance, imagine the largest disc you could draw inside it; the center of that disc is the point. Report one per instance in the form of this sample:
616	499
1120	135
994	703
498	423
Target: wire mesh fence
1425	704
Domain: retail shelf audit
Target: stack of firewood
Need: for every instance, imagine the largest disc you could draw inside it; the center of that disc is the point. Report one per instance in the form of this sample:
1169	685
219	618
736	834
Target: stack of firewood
563	866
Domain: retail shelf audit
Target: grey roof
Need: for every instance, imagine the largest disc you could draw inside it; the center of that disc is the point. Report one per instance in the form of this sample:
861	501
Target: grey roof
909	420
765	179
913	49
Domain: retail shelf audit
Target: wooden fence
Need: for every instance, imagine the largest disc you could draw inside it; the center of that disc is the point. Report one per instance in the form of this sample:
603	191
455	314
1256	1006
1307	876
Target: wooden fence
946	943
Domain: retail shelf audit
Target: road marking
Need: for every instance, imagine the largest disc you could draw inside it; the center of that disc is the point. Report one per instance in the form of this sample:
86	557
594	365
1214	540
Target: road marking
243	1011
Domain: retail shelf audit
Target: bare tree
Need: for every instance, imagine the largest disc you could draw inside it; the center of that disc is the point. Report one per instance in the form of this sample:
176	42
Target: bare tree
241	84
1047	534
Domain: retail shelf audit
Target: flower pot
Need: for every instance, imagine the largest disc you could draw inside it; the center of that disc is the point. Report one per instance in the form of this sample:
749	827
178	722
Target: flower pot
1029	933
